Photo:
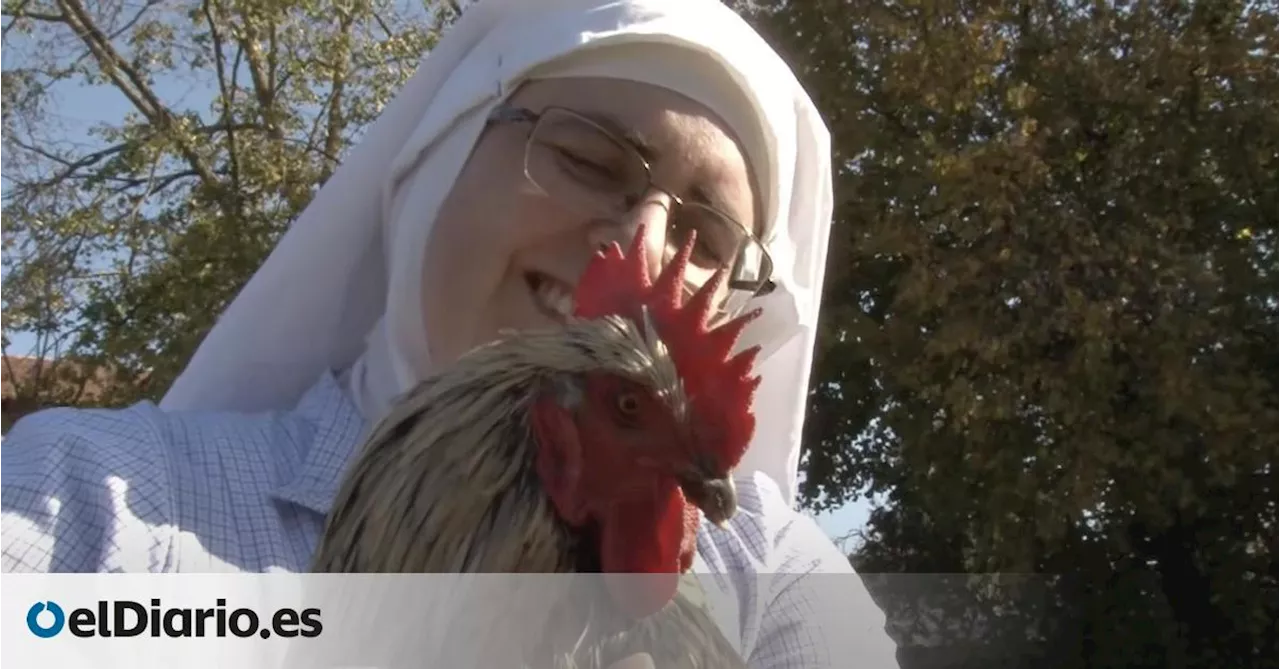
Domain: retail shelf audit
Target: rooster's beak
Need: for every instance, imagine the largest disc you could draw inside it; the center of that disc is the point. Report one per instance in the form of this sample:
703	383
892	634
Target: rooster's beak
717	497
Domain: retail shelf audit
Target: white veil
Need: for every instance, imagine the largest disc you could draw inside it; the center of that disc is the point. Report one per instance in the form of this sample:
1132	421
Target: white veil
341	289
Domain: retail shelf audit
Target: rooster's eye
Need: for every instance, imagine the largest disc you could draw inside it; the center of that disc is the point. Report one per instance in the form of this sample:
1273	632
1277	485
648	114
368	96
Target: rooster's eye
628	404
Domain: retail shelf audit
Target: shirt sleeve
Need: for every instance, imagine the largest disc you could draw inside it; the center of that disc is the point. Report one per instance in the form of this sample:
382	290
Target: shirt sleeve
85	490
818	614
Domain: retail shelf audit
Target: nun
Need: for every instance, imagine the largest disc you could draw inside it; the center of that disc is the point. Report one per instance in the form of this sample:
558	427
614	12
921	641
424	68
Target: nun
443	227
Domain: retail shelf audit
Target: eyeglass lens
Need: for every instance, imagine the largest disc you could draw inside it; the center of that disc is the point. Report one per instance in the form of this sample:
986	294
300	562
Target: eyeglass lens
581	165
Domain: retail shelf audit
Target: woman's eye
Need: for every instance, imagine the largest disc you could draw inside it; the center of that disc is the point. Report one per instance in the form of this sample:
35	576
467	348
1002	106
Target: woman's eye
709	250
588	171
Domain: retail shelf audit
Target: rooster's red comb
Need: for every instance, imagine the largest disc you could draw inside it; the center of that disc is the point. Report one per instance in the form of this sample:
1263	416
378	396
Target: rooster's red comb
714	379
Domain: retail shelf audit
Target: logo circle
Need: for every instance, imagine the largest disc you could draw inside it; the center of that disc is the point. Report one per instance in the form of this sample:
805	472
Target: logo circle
33	619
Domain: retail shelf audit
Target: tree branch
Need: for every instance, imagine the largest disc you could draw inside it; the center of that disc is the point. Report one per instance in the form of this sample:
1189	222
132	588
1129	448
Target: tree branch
73	166
262	81
158	183
337	84
131	83
226	101
20	13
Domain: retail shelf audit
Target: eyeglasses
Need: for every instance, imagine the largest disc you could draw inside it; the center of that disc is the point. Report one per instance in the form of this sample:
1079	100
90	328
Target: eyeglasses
579	163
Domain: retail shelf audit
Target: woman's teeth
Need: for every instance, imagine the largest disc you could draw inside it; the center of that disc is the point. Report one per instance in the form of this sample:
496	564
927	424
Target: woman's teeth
554	296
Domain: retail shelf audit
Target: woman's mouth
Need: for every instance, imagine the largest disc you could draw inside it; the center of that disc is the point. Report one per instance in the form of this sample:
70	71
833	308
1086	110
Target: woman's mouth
551	296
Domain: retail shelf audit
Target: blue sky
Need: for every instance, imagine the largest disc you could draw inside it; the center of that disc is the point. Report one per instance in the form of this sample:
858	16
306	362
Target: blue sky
846	519
80	107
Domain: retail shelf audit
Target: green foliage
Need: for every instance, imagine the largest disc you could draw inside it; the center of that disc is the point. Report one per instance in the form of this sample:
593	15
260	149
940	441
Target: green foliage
1050	339
124	248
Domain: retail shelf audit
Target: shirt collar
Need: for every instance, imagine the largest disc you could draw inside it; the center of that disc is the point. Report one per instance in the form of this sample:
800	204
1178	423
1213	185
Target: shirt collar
328	429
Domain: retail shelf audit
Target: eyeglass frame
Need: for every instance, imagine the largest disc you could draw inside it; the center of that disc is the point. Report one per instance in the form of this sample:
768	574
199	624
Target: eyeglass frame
507	113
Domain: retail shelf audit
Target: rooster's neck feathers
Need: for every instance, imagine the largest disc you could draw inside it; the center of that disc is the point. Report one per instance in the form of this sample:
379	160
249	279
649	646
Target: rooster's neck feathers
470	423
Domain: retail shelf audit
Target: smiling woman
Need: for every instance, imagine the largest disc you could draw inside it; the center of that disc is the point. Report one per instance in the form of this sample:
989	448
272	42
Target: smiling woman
548	185
533	135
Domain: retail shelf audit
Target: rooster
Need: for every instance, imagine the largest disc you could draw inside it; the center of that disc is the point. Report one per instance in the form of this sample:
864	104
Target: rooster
590	448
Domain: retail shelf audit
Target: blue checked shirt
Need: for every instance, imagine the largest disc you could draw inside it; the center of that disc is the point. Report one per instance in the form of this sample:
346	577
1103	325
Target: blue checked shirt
142	490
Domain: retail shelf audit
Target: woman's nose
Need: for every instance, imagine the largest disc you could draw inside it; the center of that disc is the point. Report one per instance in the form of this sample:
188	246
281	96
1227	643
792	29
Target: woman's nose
654	211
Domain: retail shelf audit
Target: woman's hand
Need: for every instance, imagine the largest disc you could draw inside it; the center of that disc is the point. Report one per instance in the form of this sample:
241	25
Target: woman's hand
637	661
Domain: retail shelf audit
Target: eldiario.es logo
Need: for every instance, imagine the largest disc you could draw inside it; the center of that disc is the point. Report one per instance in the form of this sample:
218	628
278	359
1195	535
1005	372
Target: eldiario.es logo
126	618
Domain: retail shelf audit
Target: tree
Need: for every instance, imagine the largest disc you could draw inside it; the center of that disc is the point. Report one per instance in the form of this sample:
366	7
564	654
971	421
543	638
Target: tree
123	241
1050	325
